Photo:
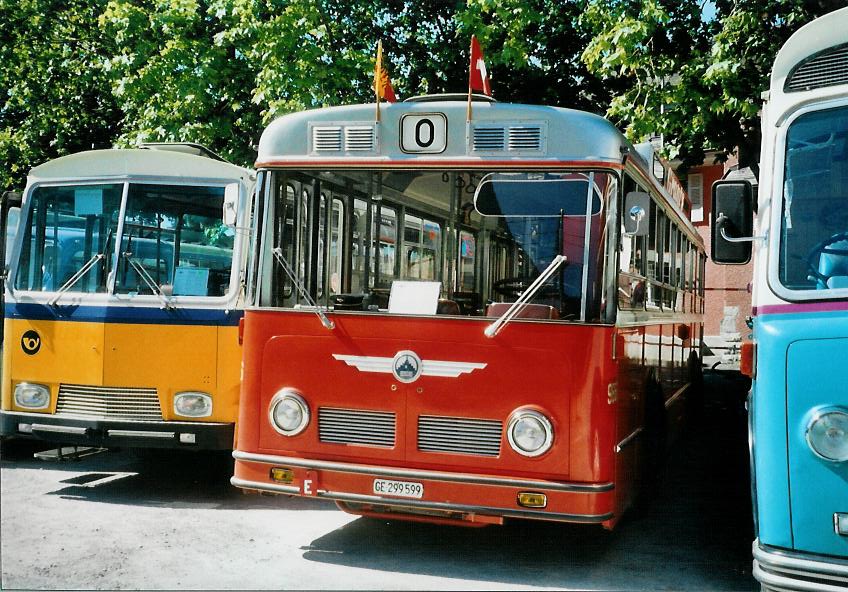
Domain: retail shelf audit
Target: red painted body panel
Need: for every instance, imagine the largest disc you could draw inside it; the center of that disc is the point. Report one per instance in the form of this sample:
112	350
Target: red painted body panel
563	370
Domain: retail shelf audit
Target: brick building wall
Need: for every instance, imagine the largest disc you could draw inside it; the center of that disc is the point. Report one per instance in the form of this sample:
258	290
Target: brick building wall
727	288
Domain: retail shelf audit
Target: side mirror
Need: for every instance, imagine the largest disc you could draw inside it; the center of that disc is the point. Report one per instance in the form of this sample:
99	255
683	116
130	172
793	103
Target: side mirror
732	222
637	204
231	199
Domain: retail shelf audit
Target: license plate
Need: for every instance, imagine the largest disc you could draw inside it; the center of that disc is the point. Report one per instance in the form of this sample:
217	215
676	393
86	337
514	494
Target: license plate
399	488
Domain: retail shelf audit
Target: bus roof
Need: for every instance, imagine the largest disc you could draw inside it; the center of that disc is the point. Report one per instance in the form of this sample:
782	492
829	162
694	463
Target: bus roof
809	42
349	135
124	163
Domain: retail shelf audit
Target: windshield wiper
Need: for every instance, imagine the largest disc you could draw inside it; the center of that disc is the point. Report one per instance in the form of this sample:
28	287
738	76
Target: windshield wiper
525	297
96	258
146	278
278	255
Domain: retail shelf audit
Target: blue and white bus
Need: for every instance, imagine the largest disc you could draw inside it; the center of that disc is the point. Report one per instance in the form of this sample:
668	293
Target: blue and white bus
798	356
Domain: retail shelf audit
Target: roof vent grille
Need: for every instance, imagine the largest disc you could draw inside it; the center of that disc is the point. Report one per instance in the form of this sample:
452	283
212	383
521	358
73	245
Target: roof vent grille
327	139
359	138
828	68
489	139
525	137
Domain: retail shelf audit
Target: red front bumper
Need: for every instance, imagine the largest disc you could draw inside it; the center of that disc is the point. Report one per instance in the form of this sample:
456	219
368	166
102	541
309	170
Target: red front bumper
446	495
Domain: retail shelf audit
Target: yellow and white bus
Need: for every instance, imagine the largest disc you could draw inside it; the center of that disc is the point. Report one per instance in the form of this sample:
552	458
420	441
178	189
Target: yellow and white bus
123	300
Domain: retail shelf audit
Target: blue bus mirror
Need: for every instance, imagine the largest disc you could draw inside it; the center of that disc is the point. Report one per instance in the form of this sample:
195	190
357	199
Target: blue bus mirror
732	221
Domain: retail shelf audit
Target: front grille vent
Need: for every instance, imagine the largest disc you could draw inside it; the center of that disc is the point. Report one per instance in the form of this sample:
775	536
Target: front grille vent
359	138
479	437
826	69
107	402
517	138
327	139
355	426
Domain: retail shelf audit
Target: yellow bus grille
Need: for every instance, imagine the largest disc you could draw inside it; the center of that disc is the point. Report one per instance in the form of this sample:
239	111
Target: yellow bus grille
109	402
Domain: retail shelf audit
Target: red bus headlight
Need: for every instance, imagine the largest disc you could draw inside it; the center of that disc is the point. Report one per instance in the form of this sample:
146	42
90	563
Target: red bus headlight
529	432
288	412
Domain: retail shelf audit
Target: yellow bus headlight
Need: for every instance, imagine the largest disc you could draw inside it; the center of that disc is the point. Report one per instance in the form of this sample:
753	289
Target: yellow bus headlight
31	395
193	404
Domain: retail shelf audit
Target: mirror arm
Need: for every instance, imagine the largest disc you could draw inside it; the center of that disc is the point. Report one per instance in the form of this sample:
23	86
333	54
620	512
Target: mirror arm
721	222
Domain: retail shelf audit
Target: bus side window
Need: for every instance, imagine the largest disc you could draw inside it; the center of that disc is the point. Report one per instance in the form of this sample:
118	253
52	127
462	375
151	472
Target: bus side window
631	277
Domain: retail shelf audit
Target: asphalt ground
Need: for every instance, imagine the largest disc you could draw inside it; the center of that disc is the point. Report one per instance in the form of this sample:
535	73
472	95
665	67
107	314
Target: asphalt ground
129	520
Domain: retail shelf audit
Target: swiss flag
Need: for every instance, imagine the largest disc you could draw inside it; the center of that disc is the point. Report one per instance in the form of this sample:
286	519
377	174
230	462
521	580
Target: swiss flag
478	76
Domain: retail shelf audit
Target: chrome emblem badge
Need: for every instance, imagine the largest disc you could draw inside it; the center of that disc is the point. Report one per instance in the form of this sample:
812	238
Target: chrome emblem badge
406	366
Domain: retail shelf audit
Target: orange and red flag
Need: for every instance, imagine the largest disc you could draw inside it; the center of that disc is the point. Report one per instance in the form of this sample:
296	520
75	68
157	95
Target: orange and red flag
382	85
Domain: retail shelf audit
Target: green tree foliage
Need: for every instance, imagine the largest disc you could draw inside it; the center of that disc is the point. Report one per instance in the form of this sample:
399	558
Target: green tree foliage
54	95
696	81
83	73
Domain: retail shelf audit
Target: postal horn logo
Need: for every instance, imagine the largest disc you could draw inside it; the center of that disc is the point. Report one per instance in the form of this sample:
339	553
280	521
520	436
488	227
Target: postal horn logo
31	342
406	366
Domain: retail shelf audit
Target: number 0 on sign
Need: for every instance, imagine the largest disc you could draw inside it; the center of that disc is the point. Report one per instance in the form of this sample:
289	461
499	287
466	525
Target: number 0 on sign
424	133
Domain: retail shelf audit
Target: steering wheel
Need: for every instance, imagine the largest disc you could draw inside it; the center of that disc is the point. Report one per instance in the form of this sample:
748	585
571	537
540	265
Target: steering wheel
814	256
513	287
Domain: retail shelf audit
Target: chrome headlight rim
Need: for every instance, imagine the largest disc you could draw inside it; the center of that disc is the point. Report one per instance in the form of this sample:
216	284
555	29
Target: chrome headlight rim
199	394
547	426
289	394
815	418
42	388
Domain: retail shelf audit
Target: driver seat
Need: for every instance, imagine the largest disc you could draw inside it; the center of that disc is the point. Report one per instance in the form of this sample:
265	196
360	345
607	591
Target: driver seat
833	264
530	311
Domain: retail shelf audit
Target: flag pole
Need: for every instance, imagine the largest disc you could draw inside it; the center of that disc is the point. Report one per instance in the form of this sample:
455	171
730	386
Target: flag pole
468	110
377	67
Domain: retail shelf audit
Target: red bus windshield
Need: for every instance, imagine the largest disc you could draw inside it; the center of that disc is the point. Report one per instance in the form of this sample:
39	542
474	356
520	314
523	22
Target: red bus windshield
482	236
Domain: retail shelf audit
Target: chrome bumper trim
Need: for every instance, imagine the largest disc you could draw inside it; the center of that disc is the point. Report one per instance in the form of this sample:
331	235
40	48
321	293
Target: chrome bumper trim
59	429
424	505
139	434
419	474
94	420
784	571
290	489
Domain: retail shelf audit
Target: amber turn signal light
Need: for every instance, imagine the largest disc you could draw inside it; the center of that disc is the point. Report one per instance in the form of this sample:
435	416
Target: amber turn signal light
529	499
281	475
748	359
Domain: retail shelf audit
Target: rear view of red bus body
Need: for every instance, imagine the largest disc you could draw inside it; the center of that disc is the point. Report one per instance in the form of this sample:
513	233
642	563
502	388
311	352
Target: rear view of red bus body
464	321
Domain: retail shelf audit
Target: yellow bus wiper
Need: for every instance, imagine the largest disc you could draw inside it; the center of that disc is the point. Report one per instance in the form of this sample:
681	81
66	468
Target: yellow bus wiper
96	258
147	279
278	255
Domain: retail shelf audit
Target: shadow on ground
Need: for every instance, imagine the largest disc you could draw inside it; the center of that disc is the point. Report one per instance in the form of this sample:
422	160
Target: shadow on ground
696	535
172	478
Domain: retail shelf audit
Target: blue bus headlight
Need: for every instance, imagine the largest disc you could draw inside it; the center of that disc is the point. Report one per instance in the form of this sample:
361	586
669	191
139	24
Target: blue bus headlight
827	435
192	404
289	413
31	395
529	432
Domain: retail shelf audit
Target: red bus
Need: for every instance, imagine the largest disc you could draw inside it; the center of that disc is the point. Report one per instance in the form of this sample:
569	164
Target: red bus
465	321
